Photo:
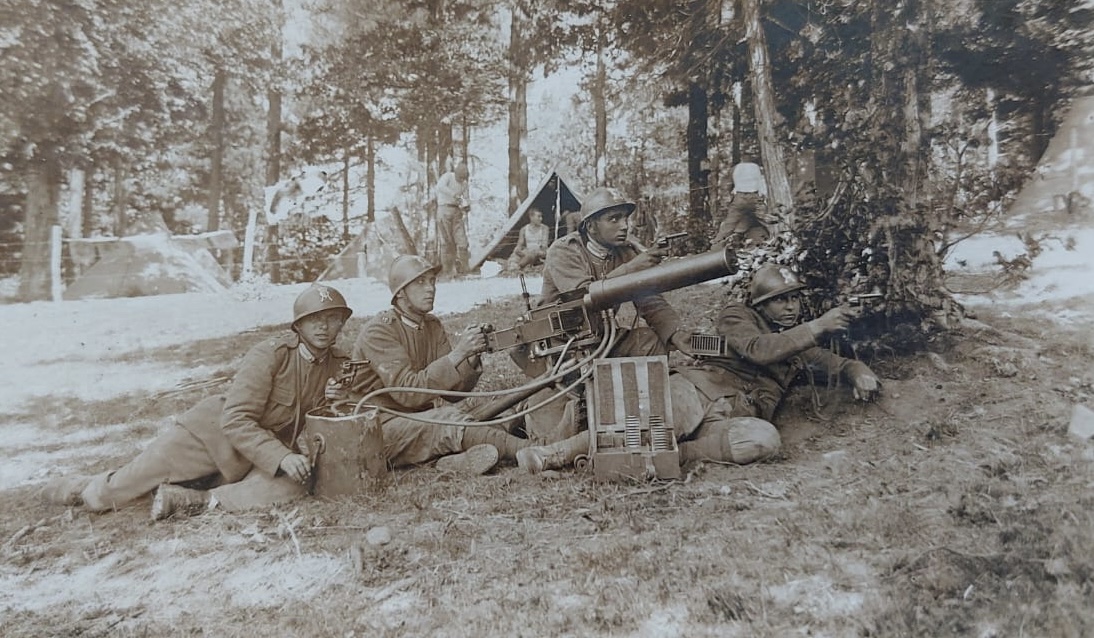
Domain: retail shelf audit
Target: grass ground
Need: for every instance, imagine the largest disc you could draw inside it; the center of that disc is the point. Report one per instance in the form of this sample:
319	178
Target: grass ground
957	505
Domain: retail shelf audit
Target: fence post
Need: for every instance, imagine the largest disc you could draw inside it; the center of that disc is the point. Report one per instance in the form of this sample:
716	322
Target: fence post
55	261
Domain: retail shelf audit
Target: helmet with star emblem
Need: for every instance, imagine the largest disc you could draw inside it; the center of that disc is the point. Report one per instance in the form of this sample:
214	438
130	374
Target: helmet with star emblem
772	280
317	298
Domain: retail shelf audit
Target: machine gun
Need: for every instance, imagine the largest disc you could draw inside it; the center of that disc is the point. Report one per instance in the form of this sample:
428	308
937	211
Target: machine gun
572	321
627	403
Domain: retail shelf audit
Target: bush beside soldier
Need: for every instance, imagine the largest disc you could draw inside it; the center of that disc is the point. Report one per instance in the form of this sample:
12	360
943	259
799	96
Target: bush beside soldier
408	347
242	443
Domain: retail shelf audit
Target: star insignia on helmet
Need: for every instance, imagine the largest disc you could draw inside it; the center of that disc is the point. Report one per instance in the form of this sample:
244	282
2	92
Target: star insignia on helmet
788	276
324	294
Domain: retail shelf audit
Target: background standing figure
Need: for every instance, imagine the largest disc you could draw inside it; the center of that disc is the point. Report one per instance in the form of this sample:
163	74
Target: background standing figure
453	204
742	224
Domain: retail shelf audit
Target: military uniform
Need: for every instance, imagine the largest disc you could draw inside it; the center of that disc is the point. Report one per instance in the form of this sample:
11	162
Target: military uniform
572	264
405	352
237	440
750	381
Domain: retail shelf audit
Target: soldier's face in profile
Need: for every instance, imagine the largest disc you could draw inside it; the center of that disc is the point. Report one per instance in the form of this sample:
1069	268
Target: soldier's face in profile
320	330
535	216
784	310
421	293
609	227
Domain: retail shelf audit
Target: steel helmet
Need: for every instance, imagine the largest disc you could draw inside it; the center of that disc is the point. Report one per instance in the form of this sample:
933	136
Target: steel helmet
317	298
405	269
772	280
602	199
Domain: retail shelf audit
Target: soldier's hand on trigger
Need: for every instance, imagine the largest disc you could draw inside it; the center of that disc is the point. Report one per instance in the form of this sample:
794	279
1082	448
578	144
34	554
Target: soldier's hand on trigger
296	467
470	342
335	391
651	257
837	319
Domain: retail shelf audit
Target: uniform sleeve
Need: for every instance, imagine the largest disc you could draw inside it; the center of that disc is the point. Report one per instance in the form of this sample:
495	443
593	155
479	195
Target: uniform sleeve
753	343
252	388
566	267
659	315
830	363
379	343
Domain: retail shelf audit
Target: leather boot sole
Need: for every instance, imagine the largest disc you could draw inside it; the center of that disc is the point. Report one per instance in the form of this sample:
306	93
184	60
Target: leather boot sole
476	460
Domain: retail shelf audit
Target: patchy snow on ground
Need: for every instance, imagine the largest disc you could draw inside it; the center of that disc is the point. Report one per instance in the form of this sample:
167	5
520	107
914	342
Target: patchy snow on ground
74	347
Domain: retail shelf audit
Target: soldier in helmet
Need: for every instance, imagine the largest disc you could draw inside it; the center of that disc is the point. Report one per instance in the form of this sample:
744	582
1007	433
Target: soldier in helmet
408	347
601	249
240	445
734	398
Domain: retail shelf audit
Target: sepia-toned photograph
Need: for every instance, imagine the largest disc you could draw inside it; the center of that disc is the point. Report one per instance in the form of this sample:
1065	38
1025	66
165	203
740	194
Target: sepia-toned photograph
465	318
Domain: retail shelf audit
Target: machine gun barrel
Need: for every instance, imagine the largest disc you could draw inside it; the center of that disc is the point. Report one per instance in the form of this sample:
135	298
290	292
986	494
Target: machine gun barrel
678	273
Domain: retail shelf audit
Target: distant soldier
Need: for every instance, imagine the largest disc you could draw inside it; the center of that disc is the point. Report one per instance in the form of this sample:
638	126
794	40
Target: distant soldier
408	347
241	444
742	224
532	244
453	203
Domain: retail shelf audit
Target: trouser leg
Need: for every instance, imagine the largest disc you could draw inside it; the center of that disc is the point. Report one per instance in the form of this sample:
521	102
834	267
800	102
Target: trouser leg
411	442
507	444
638	342
257	489
446	239
172	457
459	236
740	440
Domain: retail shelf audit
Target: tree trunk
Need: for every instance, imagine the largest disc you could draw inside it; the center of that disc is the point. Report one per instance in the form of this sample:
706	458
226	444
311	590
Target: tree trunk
42	213
345	193
216	162
600	111
87	203
273	148
778	182
370	177
121	221
699	219
518	110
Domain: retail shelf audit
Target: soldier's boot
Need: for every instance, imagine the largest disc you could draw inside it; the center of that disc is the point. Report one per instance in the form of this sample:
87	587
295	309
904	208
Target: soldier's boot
740	440
65	490
173	500
555	456
476	460
506	444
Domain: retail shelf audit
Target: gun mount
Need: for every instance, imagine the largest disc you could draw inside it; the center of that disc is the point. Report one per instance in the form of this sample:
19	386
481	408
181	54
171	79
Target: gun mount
572	320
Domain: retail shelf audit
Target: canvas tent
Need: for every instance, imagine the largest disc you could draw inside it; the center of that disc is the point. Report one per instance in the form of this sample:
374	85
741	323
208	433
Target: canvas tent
553	197
150	264
1064	180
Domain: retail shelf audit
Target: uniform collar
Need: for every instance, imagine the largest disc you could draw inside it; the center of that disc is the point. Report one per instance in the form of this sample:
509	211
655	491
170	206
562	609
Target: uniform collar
597	249
309	356
408	321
